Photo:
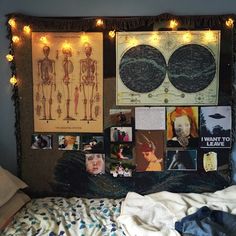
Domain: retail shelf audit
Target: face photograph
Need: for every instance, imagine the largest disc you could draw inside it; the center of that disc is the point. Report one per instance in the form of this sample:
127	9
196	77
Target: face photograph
40	141
68	142
95	163
121	134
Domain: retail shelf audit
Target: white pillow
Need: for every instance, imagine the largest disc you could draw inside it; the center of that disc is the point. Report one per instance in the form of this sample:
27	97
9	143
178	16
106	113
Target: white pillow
9	184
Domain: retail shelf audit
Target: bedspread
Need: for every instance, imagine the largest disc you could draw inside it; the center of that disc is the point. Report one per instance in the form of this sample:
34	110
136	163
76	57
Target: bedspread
61	216
156	214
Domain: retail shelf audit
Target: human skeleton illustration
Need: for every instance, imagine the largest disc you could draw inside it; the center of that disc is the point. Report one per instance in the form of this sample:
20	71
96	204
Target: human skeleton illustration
88	82
47	80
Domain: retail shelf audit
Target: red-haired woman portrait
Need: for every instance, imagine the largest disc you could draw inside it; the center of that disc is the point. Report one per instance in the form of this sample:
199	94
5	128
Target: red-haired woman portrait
182	127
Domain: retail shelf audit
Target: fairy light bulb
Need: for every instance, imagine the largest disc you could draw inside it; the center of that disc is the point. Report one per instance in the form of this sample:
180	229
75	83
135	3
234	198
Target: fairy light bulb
112	33
9	57
99	22
229	23
27	29
173	24
13	80
209	36
12	22
43	40
15	39
84	38
187	37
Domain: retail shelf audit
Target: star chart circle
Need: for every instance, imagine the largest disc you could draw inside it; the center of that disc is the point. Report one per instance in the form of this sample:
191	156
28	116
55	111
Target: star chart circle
142	68
191	68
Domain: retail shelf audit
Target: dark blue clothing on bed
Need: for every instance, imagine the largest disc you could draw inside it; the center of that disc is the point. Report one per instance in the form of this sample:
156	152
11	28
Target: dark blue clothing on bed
207	222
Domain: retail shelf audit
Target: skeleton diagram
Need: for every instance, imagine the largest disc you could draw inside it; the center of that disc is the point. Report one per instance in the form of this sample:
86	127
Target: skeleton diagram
47	78
88	82
68	69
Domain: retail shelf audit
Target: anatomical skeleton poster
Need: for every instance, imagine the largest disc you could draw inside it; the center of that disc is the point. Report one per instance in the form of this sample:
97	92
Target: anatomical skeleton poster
67	81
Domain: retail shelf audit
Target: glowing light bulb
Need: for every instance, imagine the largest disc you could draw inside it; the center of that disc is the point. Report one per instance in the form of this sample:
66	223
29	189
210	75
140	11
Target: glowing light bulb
99	22
187	37
27	29
43	40
9	57
13	80
173	24
133	42
229	23
209	36
112	33
84	38
12	23
15	39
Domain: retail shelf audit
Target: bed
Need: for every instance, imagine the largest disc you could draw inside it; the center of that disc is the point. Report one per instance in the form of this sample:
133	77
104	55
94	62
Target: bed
133	215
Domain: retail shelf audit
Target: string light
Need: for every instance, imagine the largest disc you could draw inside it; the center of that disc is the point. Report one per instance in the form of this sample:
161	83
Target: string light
66	47
27	29
133	42
229	23
112	33
187	37
209	36
173	24
15	39
84	38
12	23
99	22
43	40
13	80
9	57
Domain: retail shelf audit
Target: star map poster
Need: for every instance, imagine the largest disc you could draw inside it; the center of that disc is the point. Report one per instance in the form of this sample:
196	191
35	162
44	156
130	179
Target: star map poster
67	81
167	67
215	127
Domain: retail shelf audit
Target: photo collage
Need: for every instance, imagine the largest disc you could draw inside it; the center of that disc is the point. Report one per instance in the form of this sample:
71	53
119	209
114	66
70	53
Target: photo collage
154	139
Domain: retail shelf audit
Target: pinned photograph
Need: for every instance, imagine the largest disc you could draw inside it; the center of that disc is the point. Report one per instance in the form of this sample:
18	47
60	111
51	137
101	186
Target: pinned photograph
95	163
92	143
149	150
121	134
181	160
182	127
41	141
122	169
120	116
68	142
122	151
215	127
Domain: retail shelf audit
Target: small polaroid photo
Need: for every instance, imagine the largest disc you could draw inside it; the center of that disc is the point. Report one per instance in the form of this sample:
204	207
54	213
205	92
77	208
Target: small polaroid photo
185	160
121	134
121	151
95	163
122	169
68	142
41	141
91	143
120	116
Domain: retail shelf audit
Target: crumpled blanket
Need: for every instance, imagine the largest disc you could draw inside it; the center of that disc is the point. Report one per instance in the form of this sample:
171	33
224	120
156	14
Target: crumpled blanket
156	214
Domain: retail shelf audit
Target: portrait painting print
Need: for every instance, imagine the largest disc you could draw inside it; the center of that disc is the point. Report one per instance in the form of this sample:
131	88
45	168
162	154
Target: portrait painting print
67	81
182	127
149	150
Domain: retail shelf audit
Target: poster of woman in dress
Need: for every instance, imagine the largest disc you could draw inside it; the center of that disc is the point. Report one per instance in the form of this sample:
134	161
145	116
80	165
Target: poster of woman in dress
67	81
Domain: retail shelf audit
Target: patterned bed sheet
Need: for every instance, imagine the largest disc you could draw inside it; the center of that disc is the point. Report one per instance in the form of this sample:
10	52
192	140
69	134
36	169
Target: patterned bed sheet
54	216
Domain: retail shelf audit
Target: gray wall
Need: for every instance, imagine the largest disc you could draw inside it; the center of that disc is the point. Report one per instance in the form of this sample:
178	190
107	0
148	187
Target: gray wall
80	8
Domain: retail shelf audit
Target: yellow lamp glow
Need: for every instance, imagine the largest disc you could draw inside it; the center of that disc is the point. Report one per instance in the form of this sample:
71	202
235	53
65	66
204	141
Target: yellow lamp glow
27	29
112	33
209	36
12	23
9	57
229	23
187	37
13	80
84	38
15	39
66	46
173	24
99	22
133	42
43	40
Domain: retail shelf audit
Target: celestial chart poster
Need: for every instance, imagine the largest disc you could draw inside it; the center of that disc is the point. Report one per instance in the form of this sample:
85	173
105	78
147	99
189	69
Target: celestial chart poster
167	67
67	81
